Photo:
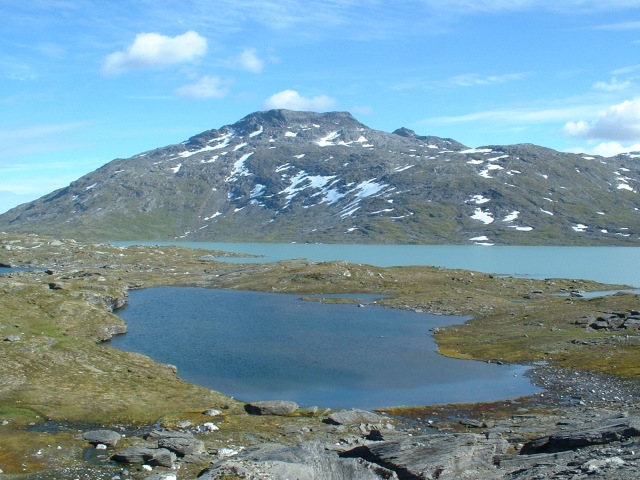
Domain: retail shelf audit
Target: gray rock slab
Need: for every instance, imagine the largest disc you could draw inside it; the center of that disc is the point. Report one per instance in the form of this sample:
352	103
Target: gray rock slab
182	446
355	416
167	433
271	407
569	440
443	456
105	437
306	461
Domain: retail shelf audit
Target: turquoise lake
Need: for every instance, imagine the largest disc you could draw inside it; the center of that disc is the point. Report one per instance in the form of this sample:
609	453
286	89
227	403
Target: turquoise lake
619	265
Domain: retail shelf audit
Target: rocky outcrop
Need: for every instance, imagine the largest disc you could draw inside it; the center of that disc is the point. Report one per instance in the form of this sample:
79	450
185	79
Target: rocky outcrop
571	439
160	457
306	461
442	456
611	321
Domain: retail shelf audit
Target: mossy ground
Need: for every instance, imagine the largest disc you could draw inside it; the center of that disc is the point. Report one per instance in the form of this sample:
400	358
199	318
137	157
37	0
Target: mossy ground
59	370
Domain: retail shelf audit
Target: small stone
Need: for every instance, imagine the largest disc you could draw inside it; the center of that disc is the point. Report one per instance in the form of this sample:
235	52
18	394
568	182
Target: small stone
227	452
211	427
212	412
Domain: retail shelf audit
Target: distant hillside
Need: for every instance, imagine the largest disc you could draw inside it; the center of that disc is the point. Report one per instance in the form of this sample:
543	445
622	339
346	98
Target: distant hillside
284	176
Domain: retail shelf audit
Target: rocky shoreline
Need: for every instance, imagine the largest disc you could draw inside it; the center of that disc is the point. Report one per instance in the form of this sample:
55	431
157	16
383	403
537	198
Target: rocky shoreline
582	426
70	408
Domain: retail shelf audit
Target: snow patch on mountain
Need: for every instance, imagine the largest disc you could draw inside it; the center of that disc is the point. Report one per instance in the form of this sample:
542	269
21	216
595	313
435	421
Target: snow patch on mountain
328	140
217	214
511	217
363	190
239	168
482	215
478	199
302	181
477	150
210	160
257	132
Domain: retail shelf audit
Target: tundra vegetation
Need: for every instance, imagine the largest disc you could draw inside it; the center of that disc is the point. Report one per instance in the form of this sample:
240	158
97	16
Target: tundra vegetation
58	377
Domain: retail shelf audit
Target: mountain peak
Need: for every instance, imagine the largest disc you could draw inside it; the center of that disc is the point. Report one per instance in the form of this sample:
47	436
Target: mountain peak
281	118
291	176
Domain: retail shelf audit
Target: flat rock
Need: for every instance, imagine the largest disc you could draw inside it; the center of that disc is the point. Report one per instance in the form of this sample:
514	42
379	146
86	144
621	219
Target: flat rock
444	456
167	433
271	407
182	446
105	437
306	461
355	416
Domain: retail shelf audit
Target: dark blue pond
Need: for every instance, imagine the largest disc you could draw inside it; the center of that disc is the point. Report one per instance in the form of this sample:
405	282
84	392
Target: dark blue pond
261	346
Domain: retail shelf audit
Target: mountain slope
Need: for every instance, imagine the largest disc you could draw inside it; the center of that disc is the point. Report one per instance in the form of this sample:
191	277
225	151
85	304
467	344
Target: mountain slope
307	177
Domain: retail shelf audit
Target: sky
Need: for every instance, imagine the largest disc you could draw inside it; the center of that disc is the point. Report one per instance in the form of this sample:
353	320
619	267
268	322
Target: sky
83	82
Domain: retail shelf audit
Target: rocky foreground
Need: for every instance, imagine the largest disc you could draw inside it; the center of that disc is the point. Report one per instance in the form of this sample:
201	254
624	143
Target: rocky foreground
71	407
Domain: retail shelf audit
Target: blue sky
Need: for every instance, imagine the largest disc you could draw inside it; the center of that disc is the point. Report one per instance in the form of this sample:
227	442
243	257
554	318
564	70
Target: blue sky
84	81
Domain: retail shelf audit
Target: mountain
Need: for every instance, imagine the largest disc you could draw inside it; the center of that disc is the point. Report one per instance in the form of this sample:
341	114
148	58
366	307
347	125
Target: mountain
286	176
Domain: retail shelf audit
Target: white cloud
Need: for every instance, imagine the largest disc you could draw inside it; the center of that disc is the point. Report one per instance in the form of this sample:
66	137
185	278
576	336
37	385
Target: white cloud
249	61
613	86
206	87
610	149
152	50
292	100
463	80
474	79
619	122
626	70
607	149
576	129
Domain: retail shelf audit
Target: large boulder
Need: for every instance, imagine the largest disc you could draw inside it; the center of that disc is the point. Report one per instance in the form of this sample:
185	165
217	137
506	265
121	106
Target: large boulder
354	417
271	407
182	446
104	437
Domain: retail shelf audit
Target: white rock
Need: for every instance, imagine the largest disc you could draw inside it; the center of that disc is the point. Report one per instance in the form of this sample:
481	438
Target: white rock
211	427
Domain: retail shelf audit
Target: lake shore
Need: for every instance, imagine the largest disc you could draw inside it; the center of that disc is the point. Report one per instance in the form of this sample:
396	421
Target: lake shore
56	373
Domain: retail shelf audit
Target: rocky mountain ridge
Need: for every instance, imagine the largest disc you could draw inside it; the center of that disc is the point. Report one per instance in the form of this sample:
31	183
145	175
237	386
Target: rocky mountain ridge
289	176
